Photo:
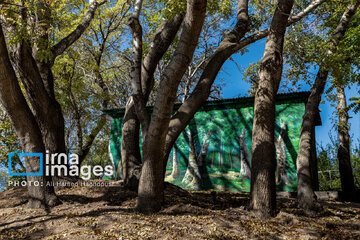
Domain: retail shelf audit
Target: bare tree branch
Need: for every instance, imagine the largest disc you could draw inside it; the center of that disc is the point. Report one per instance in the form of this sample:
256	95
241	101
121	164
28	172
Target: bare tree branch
264	33
138	97
162	40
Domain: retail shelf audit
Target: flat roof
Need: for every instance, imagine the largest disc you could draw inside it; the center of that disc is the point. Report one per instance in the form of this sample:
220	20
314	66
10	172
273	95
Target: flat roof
296	97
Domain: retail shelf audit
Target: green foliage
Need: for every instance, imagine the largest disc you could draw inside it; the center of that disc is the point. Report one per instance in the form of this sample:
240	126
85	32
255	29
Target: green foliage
155	11
42	23
93	75
355	104
307	43
328	165
9	142
303	50
3	179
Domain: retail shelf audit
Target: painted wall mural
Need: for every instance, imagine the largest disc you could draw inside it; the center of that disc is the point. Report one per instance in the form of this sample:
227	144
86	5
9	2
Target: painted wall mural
214	151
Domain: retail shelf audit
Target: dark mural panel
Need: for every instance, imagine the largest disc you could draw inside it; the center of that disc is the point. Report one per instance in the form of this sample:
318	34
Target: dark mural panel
214	151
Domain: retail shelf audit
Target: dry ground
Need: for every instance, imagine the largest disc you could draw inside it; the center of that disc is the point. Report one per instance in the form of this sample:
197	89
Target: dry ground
107	213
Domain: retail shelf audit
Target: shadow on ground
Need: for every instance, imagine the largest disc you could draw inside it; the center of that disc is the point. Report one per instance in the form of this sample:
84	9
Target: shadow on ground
108	213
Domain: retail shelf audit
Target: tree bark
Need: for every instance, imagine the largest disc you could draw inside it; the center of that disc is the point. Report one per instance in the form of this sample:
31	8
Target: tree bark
150	193
263	192
46	109
25	125
130	151
305	193
67	41
201	159
346	174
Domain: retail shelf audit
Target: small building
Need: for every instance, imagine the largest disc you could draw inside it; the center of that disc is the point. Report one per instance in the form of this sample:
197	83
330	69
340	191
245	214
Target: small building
214	151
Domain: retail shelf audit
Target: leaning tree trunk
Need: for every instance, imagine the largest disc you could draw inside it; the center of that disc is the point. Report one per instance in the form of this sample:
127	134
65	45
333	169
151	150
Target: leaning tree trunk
305	193
51	121
263	192
26	129
346	174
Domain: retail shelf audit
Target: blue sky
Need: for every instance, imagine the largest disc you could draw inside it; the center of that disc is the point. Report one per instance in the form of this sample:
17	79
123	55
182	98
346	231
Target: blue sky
235	86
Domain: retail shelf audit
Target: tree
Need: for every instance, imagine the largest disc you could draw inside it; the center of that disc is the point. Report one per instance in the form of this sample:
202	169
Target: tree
263	192
192	175
346	173
281	173
130	151
40	124
233	42
26	129
305	195
90	78
34	60
175	164
154	128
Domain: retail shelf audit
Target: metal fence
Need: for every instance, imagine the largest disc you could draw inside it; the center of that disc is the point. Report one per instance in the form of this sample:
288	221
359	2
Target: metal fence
330	179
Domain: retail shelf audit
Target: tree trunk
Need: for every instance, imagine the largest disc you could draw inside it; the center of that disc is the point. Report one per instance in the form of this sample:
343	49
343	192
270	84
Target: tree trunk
37	76
151	184
45	108
200	94
131	127
202	155
305	193
221	154
346	174
130	148
26	129
150	194
263	192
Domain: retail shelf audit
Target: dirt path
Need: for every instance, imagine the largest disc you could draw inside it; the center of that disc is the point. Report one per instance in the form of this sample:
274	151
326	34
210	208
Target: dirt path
107	213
